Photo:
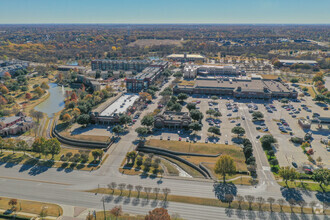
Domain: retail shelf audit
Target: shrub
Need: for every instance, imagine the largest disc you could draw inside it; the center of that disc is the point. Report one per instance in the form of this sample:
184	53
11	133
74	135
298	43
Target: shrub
84	158
139	162
273	162
69	154
310	159
64	158
274	169
251	160
246	142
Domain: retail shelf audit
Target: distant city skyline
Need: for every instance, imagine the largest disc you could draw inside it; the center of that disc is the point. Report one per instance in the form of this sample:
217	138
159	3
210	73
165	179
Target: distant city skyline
166	12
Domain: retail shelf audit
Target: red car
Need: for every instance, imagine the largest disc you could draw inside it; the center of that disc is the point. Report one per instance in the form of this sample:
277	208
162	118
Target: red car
179	138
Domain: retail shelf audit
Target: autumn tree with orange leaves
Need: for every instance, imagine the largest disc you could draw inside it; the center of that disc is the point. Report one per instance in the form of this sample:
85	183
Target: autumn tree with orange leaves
158	214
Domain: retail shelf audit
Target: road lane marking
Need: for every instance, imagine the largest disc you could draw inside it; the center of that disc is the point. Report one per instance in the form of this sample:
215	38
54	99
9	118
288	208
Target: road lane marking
39	181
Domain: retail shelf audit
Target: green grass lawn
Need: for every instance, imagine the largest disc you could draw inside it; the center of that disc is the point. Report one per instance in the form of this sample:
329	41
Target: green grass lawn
134	169
200	201
32	207
306	186
20	158
202	148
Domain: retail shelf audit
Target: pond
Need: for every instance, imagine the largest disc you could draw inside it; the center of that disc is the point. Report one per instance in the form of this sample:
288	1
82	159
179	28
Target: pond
55	102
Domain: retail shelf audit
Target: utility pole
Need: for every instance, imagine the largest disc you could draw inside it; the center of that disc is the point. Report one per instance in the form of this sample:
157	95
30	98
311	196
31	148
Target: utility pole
104	208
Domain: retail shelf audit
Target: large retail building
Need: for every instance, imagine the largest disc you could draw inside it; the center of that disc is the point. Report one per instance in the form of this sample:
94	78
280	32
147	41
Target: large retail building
243	87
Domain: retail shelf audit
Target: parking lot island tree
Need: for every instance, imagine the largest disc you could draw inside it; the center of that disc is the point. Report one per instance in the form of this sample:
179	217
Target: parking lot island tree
214	130
196	115
267	141
287	173
147	121
118	130
322	176
190	106
142	132
125	119
182	96
238	130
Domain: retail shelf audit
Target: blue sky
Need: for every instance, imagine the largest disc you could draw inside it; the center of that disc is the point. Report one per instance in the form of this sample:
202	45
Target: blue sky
165	11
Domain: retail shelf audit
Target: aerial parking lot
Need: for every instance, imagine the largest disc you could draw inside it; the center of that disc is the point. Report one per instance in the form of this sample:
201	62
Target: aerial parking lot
281	120
230	117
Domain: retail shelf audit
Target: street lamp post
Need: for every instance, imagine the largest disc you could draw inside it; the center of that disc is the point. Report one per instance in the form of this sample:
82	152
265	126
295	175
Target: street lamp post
104	208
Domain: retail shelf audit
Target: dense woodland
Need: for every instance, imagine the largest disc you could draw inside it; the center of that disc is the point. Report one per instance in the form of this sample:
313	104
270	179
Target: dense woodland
60	43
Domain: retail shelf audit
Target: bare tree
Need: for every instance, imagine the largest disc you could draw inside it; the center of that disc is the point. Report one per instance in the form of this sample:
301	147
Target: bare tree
302	204
112	186
240	200
129	187
147	190
138	188
166	191
156	191
281	202
292	202
271	200
116	211
121	187
250	200
260	201
229	198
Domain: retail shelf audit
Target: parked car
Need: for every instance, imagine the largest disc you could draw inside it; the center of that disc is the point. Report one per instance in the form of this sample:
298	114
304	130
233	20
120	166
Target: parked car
187	139
258	136
294	164
168	138
226	142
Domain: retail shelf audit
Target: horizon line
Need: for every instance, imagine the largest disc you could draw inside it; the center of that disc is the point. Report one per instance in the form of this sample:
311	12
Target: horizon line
164	23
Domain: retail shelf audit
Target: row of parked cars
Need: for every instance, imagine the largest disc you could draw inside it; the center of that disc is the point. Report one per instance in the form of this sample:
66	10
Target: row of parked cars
213	122
283	126
270	108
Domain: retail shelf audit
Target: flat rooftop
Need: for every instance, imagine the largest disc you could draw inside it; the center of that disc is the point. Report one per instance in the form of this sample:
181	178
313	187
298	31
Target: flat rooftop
232	83
188	56
122	61
148	72
120	105
298	61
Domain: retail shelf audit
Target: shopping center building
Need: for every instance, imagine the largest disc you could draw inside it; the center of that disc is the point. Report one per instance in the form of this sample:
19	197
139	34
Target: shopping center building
239	87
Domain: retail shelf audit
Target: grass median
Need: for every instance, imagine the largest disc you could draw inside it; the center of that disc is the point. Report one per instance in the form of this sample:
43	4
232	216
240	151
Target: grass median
31	207
205	201
306	186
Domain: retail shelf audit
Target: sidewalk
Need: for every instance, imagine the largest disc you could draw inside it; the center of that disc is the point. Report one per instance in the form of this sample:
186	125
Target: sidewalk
26	214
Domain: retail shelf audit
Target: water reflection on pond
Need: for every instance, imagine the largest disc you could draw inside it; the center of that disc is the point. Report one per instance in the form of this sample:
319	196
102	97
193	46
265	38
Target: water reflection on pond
55	102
